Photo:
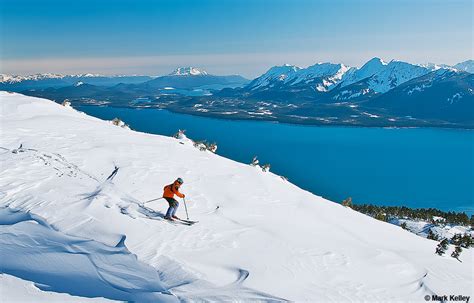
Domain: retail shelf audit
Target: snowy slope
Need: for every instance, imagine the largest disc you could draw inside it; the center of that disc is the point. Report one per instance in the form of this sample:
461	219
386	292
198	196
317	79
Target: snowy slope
275	74
320	76
394	74
369	69
377	77
13	289
67	214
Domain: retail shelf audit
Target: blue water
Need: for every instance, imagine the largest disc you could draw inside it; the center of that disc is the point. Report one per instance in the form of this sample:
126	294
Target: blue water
421	167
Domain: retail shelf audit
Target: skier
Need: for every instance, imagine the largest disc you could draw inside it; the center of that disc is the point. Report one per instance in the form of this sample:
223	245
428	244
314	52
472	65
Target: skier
168	193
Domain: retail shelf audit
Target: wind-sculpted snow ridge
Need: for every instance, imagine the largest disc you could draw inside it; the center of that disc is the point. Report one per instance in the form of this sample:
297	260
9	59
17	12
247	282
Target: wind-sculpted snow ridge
72	192
34	251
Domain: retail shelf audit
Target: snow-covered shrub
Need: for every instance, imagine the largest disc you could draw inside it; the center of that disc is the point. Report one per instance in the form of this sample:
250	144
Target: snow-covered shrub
180	134
255	161
201	145
212	147
120	123
66	103
204	145
266	167
347	202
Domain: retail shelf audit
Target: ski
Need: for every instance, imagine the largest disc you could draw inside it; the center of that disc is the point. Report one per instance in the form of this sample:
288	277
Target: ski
176	222
187	221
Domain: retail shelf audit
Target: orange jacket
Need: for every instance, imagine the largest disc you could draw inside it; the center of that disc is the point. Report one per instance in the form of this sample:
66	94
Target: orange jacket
170	190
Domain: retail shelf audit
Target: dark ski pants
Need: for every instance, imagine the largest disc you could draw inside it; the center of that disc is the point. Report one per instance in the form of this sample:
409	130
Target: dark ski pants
173	207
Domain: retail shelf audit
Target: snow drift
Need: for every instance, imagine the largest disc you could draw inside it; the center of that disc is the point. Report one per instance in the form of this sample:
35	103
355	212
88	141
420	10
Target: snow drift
72	189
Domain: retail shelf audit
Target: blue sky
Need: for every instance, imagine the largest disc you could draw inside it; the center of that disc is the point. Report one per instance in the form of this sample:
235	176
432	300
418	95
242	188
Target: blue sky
227	36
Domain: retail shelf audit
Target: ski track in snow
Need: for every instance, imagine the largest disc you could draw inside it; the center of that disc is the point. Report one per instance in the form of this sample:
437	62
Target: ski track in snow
72	208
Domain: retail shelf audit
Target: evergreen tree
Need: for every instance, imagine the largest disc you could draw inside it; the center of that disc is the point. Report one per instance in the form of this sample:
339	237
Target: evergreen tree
456	253
456	239
432	235
466	241
442	247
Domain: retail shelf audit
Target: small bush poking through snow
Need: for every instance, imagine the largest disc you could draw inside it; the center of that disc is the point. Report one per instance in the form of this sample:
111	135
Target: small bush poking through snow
201	145
118	122
212	147
347	202
180	134
255	161
204	145
381	216
66	103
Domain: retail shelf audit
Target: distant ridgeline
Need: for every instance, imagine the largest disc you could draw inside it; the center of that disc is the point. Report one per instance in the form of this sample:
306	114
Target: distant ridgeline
389	94
454	228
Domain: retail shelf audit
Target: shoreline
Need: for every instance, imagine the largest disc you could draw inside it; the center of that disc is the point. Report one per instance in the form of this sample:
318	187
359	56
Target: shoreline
292	123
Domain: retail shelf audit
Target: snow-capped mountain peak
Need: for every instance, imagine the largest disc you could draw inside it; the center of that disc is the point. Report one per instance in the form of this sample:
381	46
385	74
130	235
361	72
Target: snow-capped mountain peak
369	69
275	73
394	74
18	78
188	71
320	76
321	70
466	66
433	66
284	69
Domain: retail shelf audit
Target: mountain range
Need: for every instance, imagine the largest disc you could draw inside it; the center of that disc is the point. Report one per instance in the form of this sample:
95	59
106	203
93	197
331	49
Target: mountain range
379	93
182	77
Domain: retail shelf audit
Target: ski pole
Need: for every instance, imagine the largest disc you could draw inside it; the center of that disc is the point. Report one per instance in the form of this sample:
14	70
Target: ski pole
186	208
152	200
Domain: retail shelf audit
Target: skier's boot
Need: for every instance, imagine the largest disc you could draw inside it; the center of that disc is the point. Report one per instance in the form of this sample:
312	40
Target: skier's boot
168	218
175	217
